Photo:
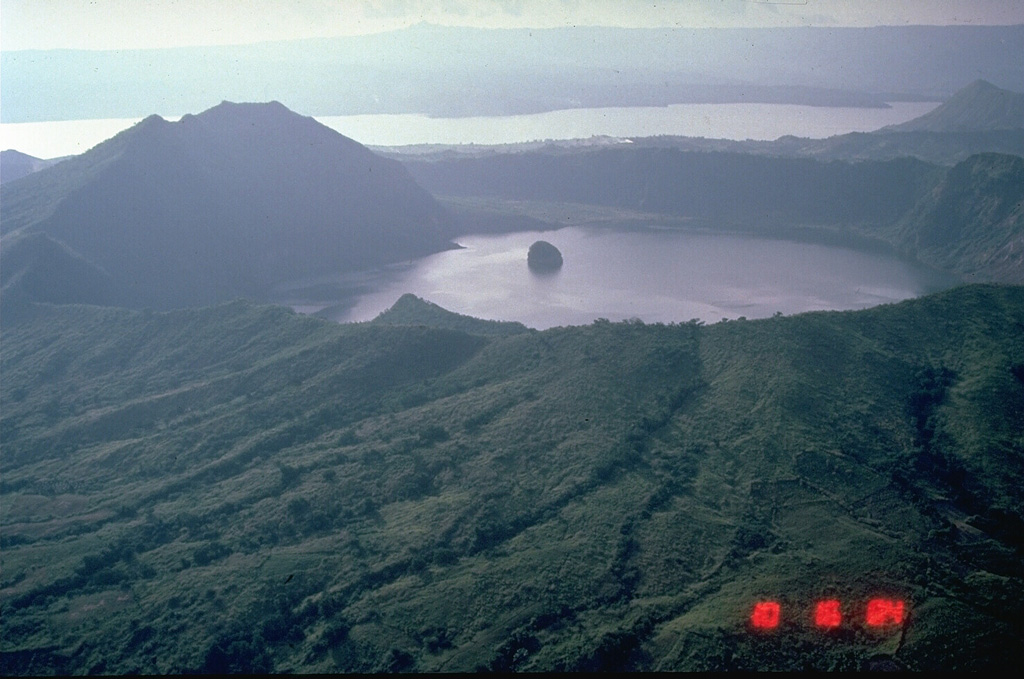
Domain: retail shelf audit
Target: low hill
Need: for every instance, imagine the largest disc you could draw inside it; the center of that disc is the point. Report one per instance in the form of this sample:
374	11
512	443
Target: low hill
944	148
15	165
941	148
981	106
224	204
412	310
244	489
38	269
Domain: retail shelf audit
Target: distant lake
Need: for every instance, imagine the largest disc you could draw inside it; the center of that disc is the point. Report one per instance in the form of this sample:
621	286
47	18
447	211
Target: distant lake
652	274
713	121
719	121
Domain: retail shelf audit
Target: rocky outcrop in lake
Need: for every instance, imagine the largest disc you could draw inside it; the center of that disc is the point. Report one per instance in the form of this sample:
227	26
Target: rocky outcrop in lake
544	257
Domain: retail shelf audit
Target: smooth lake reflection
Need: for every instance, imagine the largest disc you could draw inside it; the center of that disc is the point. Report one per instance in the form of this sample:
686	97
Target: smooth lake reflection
651	274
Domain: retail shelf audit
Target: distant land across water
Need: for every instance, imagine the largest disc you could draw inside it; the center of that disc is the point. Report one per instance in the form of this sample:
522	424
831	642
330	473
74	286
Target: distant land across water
717	121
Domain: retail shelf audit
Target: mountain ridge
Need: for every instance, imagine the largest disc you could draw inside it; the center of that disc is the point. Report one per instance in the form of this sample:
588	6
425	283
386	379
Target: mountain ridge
226	203
514	71
980	106
15	164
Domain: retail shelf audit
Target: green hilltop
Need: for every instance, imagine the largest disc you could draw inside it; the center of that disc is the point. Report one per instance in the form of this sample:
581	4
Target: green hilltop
241	488
412	310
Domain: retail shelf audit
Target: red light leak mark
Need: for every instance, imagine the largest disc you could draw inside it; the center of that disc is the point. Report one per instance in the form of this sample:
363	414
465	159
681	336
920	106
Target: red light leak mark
765	615
884	612
827	615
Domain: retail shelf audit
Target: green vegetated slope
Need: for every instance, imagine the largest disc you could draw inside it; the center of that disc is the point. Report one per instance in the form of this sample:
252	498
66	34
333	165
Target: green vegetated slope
411	310
972	222
241	488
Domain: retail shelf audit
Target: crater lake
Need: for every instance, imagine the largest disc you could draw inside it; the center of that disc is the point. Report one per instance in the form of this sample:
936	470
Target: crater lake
653	274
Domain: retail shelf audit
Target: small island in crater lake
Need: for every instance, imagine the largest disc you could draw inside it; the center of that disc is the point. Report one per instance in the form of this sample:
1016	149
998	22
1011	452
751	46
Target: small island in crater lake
544	256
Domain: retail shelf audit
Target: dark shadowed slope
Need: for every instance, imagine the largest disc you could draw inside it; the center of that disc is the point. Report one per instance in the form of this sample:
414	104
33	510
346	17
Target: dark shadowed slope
241	488
972	222
729	187
36	268
224	203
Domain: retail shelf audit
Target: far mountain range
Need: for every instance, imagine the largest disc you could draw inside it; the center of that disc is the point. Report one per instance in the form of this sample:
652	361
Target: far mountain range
452	71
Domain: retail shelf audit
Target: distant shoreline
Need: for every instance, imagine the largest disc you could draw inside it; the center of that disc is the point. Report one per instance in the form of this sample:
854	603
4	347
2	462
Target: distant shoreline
735	121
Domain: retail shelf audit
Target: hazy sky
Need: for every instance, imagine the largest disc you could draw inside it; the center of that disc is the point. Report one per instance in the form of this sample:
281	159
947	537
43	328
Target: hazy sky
125	24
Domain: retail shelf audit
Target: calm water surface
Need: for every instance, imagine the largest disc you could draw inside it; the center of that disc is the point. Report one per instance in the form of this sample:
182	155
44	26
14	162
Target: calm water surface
720	121
655	275
713	121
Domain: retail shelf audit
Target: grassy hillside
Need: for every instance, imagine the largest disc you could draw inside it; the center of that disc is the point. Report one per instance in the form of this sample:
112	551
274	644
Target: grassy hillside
411	310
240	488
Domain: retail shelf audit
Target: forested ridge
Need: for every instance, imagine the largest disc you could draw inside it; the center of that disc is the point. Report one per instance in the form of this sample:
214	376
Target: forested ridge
192	485
240	488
